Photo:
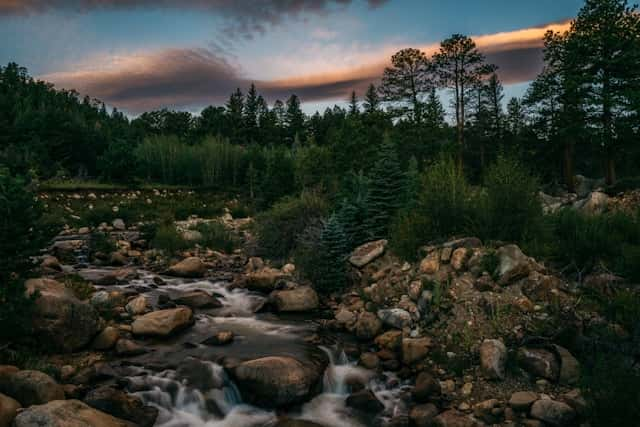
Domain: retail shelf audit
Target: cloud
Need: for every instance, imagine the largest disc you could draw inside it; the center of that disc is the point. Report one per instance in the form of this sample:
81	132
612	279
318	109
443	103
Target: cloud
244	17
188	78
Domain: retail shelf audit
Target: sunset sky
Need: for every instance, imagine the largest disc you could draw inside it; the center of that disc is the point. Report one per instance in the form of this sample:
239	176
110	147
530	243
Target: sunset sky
139	55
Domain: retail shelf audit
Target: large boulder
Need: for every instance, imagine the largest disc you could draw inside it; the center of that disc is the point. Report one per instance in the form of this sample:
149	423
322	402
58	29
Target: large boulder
8	410
594	204
302	298
277	381
106	276
367	326
32	388
163	323
197	299
61	321
106	339
493	358
137	306
415	349
364	254
513	264
395	317
67	413
188	267
121	405
263	280
554	413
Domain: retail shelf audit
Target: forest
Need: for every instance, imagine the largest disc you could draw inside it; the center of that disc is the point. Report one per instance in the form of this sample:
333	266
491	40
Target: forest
432	151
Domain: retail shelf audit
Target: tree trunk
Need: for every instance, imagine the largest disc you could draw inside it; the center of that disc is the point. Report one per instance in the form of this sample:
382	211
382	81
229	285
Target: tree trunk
461	130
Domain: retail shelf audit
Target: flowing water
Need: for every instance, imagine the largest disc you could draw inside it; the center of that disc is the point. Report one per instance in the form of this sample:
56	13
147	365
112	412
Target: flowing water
212	399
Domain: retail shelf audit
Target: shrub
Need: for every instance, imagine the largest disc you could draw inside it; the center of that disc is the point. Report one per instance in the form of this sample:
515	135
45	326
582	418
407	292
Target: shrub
215	235
168	240
278	228
331	274
117	164
100	242
406	235
81	288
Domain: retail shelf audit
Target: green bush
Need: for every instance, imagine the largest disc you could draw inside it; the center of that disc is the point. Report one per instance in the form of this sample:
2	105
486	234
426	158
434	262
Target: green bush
216	236
406	234
278	228
117	164
102	243
168	240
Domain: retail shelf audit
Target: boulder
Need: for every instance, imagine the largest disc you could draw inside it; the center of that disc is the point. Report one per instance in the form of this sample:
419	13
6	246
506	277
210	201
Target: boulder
67	413
368	325
199	374
569	366
390	340
415	349
61	321
188	267
118	259
277	381
128	348
8	410
118	224
423	415
137	306
163	323
106	339
431	263
33	388
198	300
369	360
121	405
427	388
595	203
50	263
107	277
459	258
220	338
554	413
395	317
364	254
512	265
493	358
263	280
521	401
364	401
454	418
302	298
539	362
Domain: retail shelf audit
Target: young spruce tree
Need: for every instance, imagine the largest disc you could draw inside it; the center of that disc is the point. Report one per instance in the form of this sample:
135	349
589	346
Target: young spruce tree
333	244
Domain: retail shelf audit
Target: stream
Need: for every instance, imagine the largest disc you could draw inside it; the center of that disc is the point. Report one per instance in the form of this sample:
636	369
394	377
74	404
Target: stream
210	398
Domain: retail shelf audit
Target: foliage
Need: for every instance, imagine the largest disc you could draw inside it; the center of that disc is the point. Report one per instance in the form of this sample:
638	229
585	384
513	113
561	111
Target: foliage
81	288
169	240
117	162
101	243
216	236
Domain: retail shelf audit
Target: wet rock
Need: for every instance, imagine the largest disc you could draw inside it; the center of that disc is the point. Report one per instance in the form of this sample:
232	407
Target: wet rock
263	280
366	253
137	306
106	339
198	300
454	418
493	358
122	405
554	413
521	401
118	259
369	360
302	298
107	277
346	318
395	317
199	374
367	326
163	323
277	381
128	348
390	340
539	362
67	413
220	338
415	349
32	388
61	321
427	388
188	267
423	415
8	410
365	401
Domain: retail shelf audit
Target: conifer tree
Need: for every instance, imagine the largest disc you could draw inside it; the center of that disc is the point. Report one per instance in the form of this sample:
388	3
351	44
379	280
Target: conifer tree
371	100
354	109
386	192
334	252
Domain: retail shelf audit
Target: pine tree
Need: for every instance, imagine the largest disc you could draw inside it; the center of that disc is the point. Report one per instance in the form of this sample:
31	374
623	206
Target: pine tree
412	184
354	109
371	100
251	111
434	111
333	244
385	194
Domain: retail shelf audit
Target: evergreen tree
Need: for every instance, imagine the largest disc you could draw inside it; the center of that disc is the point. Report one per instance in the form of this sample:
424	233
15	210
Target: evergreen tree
294	120
371	100
434	111
386	191
251	112
235	116
354	109
332	259
515	119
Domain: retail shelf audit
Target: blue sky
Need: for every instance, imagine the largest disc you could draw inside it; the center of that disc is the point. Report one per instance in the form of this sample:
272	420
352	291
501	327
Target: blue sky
138	56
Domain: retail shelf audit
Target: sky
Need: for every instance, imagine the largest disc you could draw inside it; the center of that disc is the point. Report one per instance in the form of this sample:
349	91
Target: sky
141	55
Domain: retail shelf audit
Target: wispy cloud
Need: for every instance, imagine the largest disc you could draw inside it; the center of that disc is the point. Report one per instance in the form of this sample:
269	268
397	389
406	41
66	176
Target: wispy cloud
182	78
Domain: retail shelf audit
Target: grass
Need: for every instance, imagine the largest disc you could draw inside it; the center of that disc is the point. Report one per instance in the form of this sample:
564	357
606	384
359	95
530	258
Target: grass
169	240
216	236
94	185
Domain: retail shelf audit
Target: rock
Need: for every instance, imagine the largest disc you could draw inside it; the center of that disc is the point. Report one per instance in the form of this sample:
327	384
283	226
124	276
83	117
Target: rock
121	405
493	357
521	401
33	388
554	413
539	362
128	348
409	306
488	411
513	264
575	399
454	418
288	269
569	366
118	224
390	340
431	263
118	258
188	267
365	401
423	415
198	300
60	320
395	317
254	264
67	413
364	254
192	235
163	323
107	277
459	258
596	203
51	263
367	326
415	290
199	375
220	338
289	422
427	388
346	318
106	339
276	381
302	298
137	306
415	349
8	410
369	360
263	280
